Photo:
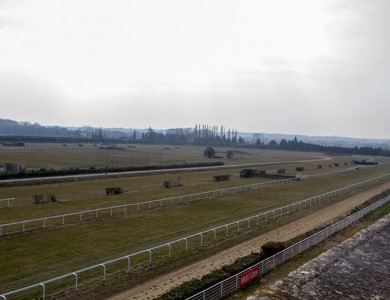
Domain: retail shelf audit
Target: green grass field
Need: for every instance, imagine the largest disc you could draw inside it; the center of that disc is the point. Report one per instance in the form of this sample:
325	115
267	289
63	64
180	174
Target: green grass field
43	254
56	156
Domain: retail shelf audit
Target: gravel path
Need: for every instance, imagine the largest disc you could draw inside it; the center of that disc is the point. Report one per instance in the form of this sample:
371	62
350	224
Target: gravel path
162	284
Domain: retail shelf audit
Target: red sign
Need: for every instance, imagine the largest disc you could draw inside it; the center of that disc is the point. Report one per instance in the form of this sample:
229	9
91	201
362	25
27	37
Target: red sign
249	276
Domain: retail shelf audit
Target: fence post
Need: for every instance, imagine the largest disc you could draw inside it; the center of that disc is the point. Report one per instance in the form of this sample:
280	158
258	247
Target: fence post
104	271
150	257
169	251
128	263
76	279
43	291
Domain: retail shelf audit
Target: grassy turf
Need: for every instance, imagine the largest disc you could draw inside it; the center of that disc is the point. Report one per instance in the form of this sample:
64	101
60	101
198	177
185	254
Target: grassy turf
56	156
36	256
32	257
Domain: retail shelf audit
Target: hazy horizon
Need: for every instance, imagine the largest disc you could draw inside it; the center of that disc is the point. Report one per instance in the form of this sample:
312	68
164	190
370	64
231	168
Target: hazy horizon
316	68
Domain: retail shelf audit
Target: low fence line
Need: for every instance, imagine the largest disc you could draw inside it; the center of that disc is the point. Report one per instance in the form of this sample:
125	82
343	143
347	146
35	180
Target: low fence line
138	206
8	201
92	214
244	277
256	220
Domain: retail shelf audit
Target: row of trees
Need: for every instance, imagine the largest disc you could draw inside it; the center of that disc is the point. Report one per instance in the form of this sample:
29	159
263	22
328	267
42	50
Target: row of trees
296	145
10	127
212	135
199	135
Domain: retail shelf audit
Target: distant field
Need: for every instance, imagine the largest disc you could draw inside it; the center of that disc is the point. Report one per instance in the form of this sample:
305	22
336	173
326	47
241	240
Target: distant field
43	254
47	253
82	195
58	156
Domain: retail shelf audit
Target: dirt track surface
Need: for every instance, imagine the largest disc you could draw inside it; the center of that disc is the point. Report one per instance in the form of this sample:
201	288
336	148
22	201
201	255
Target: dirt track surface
162	284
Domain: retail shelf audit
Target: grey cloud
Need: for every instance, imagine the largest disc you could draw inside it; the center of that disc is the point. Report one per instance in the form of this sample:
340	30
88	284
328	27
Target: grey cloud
25	98
8	22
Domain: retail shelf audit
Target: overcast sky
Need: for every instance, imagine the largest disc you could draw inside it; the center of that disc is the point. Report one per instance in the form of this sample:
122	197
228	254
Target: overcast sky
303	67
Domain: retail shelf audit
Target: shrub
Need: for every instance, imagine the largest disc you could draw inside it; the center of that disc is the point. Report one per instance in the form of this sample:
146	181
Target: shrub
209	152
271	248
51	198
37	198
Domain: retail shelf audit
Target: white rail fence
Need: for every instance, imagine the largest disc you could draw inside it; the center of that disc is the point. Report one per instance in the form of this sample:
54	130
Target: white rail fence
233	283
80	216
197	239
8	200
92	214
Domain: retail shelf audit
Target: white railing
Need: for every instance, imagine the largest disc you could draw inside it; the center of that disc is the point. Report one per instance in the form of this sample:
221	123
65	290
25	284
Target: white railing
166	248
8	200
91	214
235	282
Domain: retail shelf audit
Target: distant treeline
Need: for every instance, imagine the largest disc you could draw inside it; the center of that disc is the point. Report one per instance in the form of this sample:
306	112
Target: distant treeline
11	131
199	135
295	145
206	135
10	127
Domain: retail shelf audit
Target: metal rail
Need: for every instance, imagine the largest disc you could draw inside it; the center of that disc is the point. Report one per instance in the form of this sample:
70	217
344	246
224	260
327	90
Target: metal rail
256	220
93	214
8	201
237	281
